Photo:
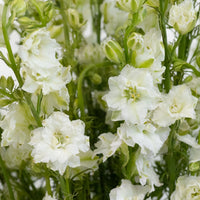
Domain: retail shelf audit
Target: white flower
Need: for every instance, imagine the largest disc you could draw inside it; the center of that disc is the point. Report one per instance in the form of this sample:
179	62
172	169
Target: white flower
48	197
187	188
15	154
132	94
183	16
16	125
59	142
113	16
145	167
128	191
178	103
40	64
145	135
108	145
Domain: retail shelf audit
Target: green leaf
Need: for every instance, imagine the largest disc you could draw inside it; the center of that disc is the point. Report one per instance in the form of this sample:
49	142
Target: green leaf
10	83
3	82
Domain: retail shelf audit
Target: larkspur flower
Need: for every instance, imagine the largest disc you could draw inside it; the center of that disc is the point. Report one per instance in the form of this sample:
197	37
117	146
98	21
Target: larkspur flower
132	94
59	142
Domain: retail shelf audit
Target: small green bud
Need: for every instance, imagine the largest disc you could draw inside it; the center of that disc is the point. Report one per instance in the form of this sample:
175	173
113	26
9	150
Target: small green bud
194	166
96	79
113	51
10	83
19	7
130	5
75	19
3	82
135	41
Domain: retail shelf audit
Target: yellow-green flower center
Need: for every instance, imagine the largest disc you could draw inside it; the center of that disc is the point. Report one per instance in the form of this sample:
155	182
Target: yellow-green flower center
132	93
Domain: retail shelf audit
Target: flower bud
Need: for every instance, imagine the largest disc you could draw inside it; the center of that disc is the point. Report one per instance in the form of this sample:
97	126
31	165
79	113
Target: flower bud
194	166
135	41
183	17
19	6
75	19
96	79
113	51
130	5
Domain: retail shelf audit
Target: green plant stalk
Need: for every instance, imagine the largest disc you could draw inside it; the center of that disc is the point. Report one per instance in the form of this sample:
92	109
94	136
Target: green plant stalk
65	186
14	66
66	28
5	174
80	85
48	186
167	61
98	28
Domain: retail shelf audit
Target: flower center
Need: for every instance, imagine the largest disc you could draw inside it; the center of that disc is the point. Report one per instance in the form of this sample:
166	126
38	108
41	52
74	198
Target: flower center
60	140
196	192
175	108
132	93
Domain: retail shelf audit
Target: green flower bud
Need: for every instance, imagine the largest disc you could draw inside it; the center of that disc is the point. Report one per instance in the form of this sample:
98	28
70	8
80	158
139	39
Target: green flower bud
19	7
3	82
135	41
130	5
188	79
194	166
75	19
96	79
113	51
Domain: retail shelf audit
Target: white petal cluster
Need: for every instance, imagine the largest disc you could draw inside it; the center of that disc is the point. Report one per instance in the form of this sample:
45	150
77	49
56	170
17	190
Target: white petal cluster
128	191
59	142
48	197
178	103
108	145
16	125
41	69
183	16
187	188
132	94
145	135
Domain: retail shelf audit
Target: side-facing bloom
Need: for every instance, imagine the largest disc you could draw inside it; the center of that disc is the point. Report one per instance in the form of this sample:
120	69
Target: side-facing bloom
178	103
145	135
108	145
16	125
59	142
187	188
183	16
41	69
132	94
128	191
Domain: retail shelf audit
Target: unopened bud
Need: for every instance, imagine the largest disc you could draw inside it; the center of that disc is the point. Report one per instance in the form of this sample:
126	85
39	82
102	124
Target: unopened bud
135	41
19	6
113	51
75	19
130	5
194	166
96	79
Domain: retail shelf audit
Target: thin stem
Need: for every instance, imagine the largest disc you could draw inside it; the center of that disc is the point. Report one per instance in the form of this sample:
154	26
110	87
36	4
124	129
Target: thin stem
65	186
66	28
2	57
98	28
5	174
48	185
176	44
8	46
39	101
80	85
167	61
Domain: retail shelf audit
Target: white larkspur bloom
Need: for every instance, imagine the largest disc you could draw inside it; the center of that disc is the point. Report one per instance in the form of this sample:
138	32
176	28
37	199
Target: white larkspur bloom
15	154
145	168
187	188
132	94
128	191
108	145
59	142
145	135
40	64
48	197
114	18
178	103
183	16
16	125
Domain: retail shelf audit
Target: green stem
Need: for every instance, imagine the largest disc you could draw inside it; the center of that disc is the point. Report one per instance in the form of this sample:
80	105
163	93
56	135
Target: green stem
167	61
2	57
98	28
176	44
66	28
14	66
5	93
8	46
48	185
65	186
5	174
80	85
39	101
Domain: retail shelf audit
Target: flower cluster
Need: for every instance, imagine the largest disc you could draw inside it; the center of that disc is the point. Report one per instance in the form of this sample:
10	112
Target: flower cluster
101	105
